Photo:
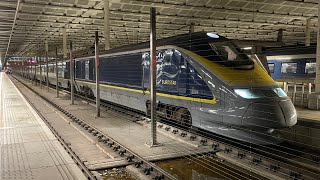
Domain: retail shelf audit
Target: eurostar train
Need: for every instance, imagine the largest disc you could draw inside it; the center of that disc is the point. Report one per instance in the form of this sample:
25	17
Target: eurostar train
203	79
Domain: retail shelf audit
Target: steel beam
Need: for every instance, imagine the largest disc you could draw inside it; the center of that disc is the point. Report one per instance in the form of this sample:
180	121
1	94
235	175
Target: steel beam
317	80
307	42
40	70
71	74
64	41
47	66
12	28
97	64
106	25
153	77
57	72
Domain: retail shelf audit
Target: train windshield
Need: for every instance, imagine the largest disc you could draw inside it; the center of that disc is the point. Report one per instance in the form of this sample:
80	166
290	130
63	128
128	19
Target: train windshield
231	56
225	53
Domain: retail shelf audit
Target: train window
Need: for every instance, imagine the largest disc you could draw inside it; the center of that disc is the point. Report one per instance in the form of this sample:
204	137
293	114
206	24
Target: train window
92	73
310	68
271	67
86	68
67	70
122	70
61	67
78	69
289	68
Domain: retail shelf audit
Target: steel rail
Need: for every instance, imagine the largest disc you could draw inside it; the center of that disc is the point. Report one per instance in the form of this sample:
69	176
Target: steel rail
69	150
148	167
275	166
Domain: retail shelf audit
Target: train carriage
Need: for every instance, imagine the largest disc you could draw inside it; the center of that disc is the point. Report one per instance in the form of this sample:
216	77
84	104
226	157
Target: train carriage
203	79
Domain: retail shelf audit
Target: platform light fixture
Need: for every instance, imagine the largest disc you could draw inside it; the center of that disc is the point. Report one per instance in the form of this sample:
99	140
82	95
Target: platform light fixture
247	48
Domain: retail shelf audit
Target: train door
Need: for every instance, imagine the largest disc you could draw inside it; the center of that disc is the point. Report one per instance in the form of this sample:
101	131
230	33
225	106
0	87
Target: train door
207	105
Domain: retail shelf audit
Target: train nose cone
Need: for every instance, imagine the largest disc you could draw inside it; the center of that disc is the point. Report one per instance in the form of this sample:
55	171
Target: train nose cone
289	112
270	115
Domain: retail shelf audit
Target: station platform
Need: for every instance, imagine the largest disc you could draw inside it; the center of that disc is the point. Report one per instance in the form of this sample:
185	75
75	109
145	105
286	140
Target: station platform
308	115
28	149
308	118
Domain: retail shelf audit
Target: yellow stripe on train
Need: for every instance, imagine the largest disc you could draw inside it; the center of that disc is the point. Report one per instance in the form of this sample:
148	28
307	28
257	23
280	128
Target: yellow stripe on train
208	101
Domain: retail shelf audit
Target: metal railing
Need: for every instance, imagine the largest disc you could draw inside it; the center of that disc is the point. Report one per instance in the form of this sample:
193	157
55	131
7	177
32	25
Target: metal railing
298	90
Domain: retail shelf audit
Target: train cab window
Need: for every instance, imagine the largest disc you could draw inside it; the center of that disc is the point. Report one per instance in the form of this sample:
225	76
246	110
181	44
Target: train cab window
310	68
225	53
289	68
271	67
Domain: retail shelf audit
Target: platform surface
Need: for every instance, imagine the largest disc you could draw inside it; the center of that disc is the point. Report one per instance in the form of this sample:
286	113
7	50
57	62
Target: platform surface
28	149
307	114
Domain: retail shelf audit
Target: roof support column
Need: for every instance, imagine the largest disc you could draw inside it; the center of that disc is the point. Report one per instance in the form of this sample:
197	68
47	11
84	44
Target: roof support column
314	98
191	28
280	34
57	72
153	78
47	67
307	43
71	75
106	25
317	81
40	69
64	43
35	70
97	74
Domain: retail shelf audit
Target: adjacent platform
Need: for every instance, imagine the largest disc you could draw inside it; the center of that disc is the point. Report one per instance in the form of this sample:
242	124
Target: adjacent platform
310	117
28	148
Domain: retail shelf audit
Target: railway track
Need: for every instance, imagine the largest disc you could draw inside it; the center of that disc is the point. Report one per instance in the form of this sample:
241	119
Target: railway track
148	168
268	165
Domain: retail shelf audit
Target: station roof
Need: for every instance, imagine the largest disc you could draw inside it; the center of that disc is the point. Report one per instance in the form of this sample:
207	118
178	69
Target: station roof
24	32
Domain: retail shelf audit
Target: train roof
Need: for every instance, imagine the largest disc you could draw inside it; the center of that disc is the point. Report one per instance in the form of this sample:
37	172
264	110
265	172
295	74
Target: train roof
183	40
290	50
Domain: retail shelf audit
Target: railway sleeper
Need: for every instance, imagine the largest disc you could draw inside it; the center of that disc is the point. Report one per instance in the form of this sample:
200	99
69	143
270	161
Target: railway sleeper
130	158
274	167
241	155
215	146
295	175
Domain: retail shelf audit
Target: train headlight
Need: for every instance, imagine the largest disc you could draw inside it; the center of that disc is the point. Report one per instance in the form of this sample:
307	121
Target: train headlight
246	93
260	93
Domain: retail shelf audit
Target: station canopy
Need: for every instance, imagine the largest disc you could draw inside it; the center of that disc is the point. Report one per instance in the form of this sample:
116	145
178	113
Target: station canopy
26	24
